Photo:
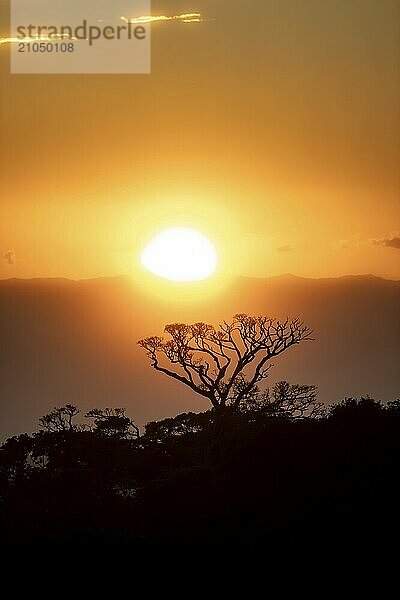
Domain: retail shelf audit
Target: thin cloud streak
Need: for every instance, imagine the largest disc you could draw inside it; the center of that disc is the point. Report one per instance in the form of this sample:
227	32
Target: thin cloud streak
36	38
143	20
393	242
183	18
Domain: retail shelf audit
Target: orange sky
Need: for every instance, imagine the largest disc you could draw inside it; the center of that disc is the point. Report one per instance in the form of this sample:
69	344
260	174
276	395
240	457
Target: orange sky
273	128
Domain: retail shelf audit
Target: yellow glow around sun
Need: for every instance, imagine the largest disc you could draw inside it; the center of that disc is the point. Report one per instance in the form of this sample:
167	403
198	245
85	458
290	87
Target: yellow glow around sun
180	254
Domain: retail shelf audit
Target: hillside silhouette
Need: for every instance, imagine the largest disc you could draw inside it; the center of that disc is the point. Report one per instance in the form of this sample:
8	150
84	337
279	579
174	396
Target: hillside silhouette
75	341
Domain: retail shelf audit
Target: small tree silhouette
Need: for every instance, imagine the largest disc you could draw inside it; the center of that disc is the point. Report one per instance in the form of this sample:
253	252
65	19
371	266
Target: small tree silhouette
60	419
224	364
113	422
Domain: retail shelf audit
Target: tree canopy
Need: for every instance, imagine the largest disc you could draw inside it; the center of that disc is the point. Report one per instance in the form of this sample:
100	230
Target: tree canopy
224	364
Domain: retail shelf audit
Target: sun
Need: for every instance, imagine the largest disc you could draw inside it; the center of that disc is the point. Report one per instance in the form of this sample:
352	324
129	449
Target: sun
180	254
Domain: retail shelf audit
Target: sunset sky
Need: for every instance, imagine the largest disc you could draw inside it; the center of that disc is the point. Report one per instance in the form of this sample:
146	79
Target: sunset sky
272	127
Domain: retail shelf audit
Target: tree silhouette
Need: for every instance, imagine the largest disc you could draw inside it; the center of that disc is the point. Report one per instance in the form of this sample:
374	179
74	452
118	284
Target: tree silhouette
285	400
223	364
180	425
60	419
113	422
109	422
282	481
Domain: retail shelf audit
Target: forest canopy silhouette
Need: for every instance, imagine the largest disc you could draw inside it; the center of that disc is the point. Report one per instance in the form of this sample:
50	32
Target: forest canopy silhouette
272	466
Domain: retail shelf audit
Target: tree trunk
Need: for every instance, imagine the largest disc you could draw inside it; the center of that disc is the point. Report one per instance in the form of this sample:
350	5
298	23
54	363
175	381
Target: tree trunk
216	451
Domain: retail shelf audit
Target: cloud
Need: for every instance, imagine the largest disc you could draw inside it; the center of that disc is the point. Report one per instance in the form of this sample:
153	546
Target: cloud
33	38
285	248
393	242
390	241
142	20
183	18
9	257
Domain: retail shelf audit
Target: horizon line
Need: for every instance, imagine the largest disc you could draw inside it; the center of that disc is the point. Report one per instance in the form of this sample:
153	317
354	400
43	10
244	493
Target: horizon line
258	278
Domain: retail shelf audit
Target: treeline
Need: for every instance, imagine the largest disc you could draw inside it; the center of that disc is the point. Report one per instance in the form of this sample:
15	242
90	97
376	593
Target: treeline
281	471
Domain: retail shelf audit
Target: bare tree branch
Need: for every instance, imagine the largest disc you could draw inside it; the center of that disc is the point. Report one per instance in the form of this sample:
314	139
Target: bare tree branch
223	364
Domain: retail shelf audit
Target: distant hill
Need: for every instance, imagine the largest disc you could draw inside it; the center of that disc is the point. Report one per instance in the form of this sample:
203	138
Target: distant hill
75	341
